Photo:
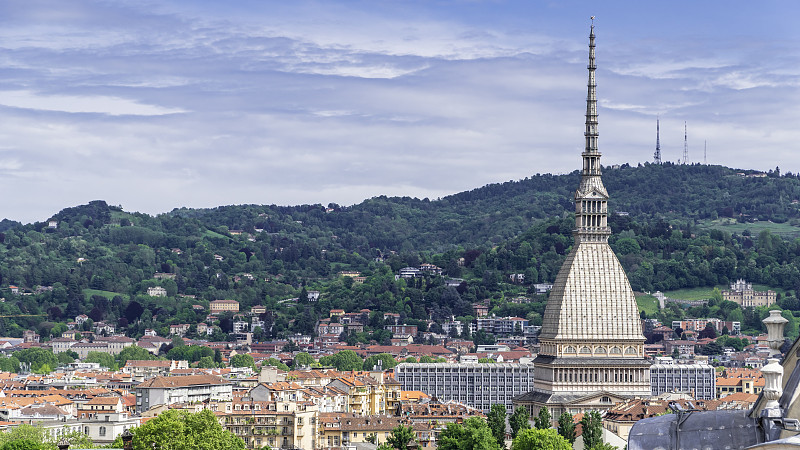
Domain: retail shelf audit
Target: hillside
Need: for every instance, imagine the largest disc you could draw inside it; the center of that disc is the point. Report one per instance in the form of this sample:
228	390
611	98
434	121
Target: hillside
493	213
100	260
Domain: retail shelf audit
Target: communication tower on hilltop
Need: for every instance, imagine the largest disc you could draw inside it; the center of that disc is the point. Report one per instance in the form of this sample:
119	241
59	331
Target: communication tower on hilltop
685	144
657	154
705	152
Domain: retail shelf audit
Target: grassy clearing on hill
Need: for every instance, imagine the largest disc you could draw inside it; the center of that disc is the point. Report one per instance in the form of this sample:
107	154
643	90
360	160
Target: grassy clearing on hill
647	303
107	294
732	226
698	293
214	234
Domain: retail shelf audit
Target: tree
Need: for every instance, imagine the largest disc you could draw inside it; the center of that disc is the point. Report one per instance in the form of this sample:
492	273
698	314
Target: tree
134	353
482	337
712	348
709	332
566	427
604	446
29	437
303	359
544	420
243	360
519	421
387	361
206	362
38	358
23	444
10	364
102	358
400	437
474	434
64	358
344	360
182	430
540	439
290	347
497	422
592	425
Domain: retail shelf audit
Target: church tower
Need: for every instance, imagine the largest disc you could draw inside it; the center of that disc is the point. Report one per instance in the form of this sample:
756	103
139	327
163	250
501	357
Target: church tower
592	347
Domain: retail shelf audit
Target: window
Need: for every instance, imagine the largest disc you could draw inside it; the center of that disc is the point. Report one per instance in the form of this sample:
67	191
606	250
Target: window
102	431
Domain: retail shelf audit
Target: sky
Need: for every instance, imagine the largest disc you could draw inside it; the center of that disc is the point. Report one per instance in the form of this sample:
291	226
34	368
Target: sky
155	105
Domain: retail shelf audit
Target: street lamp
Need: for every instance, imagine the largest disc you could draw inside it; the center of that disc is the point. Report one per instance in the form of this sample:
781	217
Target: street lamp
127	440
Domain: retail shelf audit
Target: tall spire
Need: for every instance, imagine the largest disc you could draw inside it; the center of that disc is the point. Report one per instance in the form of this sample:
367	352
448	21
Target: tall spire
591	110
592	347
591	198
657	154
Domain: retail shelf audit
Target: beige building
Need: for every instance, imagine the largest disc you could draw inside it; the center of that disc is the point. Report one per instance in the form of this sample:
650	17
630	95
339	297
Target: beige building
344	429
592	347
744	295
277	424
219	306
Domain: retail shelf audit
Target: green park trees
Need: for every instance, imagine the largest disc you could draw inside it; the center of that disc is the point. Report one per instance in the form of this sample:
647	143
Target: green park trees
473	434
566	427
30	437
540	439
519	420
543	420
592	425
182	430
386	360
344	360
400	438
497	422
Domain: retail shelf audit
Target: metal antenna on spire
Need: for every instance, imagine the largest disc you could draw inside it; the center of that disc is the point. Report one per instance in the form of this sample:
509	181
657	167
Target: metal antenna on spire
685	144
657	154
705	150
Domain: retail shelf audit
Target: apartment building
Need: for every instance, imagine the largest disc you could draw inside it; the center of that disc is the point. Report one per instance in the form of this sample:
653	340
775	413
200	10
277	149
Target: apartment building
182	389
283	425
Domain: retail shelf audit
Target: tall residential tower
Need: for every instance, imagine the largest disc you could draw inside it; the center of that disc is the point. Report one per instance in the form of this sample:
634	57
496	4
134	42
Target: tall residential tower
592	347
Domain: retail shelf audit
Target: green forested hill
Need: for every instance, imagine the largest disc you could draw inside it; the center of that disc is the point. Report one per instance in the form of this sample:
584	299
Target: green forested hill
493	213
100	260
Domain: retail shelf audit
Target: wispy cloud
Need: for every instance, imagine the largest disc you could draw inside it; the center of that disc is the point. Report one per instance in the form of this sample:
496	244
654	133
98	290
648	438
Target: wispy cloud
165	104
81	104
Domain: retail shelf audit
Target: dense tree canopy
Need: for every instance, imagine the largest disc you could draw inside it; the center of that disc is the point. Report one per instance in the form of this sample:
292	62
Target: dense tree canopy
711	227
182	430
473	434
540	439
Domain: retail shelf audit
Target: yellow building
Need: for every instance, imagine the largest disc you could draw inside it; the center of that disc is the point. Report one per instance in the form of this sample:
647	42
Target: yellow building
736	380
371	394
744	295
219	306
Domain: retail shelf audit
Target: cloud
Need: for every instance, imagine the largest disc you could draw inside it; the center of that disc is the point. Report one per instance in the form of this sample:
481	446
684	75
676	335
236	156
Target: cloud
162	105
81	104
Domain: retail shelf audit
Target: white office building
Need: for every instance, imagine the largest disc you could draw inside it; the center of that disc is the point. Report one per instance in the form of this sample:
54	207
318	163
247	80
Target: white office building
699	380
476	385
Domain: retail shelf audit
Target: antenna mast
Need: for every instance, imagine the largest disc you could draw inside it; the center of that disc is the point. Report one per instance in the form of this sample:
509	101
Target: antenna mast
685	144
657	154
705	152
